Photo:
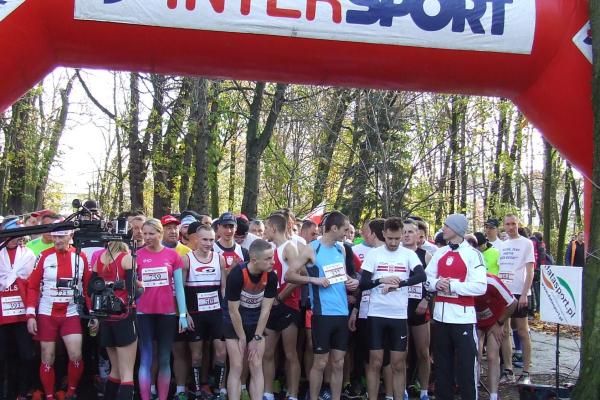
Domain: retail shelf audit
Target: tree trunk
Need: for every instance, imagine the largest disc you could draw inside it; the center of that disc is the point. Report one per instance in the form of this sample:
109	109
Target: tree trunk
454	127
588	385
494	195
199	123
233	149
547	194
257	142
575	192
332	126
462	206
564	218
137	167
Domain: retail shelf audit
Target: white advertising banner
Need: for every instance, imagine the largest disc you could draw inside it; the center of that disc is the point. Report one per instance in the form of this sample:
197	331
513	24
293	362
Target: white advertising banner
8	6
505	26
560	292
583	41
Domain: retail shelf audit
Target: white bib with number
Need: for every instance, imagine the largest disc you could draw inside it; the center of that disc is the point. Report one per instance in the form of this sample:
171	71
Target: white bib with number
415	292
506	277
363	310
208	301
335	273
12	305
62	295
251	300
155	277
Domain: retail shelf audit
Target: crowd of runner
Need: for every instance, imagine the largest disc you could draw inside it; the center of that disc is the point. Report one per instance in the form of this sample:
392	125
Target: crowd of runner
275	308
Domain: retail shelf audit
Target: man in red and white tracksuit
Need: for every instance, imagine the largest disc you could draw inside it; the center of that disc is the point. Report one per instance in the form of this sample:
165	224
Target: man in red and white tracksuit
49	292
16	264
493	309
457	273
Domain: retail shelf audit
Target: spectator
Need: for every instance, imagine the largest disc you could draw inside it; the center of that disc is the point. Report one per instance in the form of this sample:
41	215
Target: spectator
575	255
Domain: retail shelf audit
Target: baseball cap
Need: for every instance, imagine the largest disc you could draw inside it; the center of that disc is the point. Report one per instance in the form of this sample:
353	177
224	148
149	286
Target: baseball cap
91	205
193	227
41	213
169	219
492	222
227	218
188	219
12	223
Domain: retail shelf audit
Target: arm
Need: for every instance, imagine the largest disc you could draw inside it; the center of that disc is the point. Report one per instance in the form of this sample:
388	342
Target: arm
180	295
296	272
223	274
289	253
265	309
527	284
186	267
33	289
418	276
367	282
432	272
475	283
236	319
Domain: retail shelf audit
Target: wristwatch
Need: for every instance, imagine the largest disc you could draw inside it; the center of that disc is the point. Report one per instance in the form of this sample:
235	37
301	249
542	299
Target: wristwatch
258	338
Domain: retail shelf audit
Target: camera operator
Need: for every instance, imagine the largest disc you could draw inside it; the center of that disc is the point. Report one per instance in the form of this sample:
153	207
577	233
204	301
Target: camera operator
50	291
118	332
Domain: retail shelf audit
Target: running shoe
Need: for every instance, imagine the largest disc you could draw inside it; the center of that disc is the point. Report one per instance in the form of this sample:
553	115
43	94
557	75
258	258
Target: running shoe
325	394
517	360
180	396
508	377
524	379
424	397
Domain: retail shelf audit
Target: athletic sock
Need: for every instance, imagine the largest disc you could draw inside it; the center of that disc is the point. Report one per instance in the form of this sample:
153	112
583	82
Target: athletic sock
153	389
268	396
493	396
424	393
220	374
125	391
111	388
180	389
47	377
196	372
74	373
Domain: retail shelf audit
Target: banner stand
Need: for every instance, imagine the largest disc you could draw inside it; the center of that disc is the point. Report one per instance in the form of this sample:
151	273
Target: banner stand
557	373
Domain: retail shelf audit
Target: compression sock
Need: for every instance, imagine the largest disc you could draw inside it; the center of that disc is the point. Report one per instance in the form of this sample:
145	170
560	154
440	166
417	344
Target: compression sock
47	377
220	374
125	391
111	388
196	372
74	376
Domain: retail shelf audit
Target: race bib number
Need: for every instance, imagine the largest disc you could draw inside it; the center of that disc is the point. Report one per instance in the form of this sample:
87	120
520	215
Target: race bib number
415	292
12	305
363	310
155	277
335	273
506	277
485	314
251	300
208	301
62	295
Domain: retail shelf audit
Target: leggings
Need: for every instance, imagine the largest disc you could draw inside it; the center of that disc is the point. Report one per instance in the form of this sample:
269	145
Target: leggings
159	328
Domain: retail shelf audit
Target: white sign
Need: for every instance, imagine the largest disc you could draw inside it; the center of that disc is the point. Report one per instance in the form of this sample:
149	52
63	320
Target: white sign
583	41
8	6
491	25
560	292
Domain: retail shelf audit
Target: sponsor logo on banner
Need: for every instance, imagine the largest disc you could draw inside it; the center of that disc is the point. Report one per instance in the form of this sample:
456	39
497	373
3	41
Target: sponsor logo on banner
8	6
505	26
583	41
561	295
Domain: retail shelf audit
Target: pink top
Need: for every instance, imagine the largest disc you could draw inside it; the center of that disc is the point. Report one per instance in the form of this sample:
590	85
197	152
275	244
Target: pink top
155	270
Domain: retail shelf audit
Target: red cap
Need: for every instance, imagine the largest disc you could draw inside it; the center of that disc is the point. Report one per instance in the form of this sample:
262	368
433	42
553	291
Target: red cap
243	216
169	219
41	213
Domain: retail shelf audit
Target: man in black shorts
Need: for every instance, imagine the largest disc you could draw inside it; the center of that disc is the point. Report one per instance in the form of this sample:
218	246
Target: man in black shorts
249	294
204	276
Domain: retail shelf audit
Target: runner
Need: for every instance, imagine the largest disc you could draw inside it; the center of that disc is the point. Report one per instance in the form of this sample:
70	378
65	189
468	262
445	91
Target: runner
457	273
249	294
117	333
204	272
186	220
16	264
493	309
257	228
225	245
366	245
242	235
160	269
51	296
309	231
136	222
516	272
322	265
491	232
490	253
418	310
285	313
386	272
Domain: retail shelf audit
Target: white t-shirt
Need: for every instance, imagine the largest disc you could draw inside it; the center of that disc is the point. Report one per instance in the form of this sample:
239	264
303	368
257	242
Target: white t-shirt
297	239
514	255
429	247
361	250
250	237
498	243
381	263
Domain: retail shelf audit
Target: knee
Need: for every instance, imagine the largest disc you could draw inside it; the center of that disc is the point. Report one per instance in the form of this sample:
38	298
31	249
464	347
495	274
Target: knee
220	354
235	367
255	365
47	358
423	354
337	363
398	366
375	362
75	357
319	363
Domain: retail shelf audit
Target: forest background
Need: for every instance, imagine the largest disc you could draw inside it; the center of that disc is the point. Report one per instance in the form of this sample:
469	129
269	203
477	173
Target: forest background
163	144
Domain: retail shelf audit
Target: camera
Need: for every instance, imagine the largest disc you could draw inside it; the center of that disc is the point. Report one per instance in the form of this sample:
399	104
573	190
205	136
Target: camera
104	300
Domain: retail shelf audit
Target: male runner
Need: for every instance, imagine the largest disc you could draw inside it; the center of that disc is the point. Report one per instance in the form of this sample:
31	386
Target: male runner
45	240
386	272
321	264
250	290
225	245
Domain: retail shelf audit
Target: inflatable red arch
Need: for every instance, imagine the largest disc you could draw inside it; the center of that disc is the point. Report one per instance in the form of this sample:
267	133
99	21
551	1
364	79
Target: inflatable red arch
534	52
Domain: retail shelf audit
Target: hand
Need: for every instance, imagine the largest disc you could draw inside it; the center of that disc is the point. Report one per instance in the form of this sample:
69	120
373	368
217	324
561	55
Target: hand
351	284
421	307
443	285
351	299
388	288
391	280
183	325
190	322
32	326
352	321
497	332
323	282
523	302
255	349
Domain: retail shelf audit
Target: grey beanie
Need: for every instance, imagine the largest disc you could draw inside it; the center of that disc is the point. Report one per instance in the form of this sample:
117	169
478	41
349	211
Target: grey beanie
458	223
